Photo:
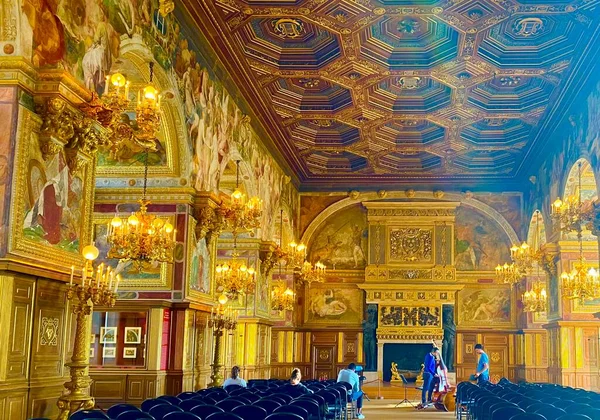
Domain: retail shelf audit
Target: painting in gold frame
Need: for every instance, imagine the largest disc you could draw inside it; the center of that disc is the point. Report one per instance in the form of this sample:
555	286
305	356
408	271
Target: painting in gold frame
151	277
486	305
333	304
51	203
199	265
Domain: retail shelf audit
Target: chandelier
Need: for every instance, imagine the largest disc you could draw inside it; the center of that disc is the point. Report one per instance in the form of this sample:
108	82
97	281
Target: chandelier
570	215
581	283
223	318
238	213
296	254
141	237
535	300
235	278
508	273
522	257
310	273
282	298
110	112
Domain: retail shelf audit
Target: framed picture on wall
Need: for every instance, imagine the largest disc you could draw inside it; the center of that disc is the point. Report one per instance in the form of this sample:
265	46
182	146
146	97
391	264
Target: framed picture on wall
129	353
133	335
109	352
108	335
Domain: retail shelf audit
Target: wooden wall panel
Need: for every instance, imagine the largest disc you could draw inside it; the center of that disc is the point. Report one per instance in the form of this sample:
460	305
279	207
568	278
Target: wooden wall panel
20	328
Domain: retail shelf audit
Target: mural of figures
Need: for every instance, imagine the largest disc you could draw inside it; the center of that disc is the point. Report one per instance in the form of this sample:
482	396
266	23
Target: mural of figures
480	242
199	277
312	205
509	205
7	96
53	214
485	306
341	242
334	305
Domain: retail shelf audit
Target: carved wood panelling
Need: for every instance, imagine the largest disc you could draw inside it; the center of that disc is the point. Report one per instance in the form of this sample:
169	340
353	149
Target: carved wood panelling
20	328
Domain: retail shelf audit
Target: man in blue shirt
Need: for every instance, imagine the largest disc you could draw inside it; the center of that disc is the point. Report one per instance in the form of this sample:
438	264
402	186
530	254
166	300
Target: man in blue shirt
350	376
483	365
429	373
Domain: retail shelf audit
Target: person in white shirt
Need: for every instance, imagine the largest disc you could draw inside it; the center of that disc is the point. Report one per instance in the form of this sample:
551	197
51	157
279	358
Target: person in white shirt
349	375
235	378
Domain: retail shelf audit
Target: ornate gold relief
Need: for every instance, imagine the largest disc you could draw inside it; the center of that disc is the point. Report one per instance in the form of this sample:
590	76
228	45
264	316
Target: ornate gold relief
408	212
410	274
410	316
210	223
49	332
411	244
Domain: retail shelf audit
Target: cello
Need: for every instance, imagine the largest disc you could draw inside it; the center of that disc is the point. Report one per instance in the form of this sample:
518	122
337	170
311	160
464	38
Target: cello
443	392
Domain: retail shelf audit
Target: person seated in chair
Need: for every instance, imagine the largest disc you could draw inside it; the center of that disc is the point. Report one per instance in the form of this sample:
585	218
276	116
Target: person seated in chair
295	388
235	378
350	376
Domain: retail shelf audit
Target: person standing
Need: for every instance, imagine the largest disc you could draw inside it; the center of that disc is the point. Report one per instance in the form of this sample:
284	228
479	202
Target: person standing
482	373
429	374
350	376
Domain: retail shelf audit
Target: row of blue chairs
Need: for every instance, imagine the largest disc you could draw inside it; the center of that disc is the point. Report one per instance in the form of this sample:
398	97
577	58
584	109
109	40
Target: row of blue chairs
272	400
509	401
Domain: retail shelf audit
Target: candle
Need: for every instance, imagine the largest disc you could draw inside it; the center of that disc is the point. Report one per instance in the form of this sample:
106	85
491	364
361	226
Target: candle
72	272
106	83
117	283
127	91
174	234
83	276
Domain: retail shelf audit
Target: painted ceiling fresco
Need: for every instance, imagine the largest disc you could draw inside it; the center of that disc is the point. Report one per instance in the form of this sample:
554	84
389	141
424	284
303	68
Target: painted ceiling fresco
362	91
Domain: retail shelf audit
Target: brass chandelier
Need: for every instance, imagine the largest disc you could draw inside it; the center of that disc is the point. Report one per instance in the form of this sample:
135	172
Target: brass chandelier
282	298
235	278
569	214
110	112
536	299
310	273
238	213
582	282
141	237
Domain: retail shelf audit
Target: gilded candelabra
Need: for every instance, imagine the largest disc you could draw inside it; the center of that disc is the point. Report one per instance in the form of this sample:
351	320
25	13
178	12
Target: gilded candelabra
570	214
223	319
282	298
508	273
238	213
235	278
296	254
99	288
581	283
312	273
535	300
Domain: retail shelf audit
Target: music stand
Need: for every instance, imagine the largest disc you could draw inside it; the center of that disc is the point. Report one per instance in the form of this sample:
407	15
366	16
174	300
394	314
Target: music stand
405	400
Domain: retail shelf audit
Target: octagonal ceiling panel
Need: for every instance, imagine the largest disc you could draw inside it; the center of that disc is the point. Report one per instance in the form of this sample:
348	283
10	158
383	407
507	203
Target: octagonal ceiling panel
409	133
335	162
531	41
324	132
385	90
511	94
497	131
309	94
410	162
409	42
409	94
288	43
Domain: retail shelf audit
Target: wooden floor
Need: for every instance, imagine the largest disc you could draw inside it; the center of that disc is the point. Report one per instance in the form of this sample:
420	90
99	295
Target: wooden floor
385	409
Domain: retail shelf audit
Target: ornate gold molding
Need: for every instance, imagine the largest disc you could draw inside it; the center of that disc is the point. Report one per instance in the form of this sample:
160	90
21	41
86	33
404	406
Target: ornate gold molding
210	223
411	244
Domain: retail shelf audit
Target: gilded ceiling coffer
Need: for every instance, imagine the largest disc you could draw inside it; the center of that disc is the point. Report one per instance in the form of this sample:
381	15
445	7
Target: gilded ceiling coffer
411	241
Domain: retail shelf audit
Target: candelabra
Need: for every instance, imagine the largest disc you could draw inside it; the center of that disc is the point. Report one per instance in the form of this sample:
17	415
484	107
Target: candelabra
95	289
223	319
508	273
282	297
581	283
535	300
296	254
571	215
238	214
522	257
310	273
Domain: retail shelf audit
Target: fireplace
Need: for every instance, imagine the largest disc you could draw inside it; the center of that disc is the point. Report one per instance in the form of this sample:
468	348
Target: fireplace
408	357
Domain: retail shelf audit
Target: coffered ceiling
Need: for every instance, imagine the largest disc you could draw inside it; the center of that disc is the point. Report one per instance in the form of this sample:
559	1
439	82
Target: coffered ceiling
362	92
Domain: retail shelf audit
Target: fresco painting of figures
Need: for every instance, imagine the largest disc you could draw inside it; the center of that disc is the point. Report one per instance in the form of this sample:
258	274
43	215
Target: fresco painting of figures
85	37
341	242
485	306
480	243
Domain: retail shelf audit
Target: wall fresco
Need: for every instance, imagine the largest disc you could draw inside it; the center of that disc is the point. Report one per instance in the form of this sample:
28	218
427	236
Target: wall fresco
334	304
484	306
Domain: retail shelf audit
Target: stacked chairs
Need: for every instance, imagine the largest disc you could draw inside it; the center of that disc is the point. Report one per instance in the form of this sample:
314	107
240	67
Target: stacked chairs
509	401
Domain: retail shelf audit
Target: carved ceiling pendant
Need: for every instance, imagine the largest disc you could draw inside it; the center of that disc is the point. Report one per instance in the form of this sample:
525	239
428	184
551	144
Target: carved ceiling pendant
449	91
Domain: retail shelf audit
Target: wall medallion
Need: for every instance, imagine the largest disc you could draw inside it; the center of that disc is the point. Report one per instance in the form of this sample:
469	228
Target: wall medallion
409	82
409	26
49	332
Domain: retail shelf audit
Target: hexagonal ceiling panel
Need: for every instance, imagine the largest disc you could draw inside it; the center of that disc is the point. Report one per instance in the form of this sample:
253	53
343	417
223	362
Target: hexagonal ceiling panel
384	90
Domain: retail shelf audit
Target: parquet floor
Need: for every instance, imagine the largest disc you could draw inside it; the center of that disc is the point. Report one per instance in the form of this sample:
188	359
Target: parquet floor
384	409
